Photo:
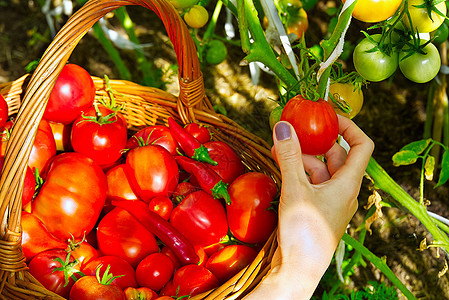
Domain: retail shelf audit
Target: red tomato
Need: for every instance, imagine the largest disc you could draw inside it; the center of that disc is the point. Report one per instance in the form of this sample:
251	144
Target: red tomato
3	111
199	132
152	171
119	187
162	206
230	260
119	266
183	189
168	252
142	293
154	135
249	215
229	165
43	267
190	280
44	147
154	271
96	288
73	92
83	252
101	134
315	123
120	234
36	238
72	197
201	219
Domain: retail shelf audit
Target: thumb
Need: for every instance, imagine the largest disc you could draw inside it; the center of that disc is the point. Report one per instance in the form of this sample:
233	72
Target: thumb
287	152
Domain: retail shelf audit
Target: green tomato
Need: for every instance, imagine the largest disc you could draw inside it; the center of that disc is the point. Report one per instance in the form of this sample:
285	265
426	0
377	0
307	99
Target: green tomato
441	34
419	67
216	52
275	116
374	65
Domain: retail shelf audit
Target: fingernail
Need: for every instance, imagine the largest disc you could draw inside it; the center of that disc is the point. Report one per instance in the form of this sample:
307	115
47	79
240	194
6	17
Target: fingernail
283	131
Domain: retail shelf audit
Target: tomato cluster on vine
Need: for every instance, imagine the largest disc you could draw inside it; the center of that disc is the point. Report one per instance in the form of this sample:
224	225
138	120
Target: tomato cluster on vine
164	211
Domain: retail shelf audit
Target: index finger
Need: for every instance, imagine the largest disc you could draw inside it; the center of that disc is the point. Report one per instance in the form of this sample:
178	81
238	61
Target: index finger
359	154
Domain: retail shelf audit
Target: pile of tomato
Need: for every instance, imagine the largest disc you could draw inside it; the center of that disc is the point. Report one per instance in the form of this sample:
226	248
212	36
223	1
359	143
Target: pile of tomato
161	212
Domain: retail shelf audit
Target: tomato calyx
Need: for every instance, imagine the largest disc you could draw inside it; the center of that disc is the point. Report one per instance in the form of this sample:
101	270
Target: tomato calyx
68	268
39	182
99	118
111	103
107	277
430	6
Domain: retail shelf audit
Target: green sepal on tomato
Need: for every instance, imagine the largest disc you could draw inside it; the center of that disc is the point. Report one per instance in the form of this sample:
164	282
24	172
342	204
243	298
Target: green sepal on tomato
315	123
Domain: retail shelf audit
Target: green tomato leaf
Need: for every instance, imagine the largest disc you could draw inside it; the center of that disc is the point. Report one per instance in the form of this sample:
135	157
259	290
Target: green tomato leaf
404	157
418	146
429	167
444	174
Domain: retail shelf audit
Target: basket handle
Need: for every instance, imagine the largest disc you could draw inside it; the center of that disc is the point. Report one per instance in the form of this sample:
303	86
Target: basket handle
43	79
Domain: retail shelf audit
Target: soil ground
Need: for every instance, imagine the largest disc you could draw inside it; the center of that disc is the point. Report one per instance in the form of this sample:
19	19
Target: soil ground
393	116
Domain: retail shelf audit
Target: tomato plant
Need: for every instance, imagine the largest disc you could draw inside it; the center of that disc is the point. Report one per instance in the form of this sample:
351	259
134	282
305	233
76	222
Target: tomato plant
200	218
250	217
152	171
118	267
230	260
55	270
196	17
3	111
422	65
315	123
424	15
73	92
67	203
99	133
154	135
120	234
371	63
373	11
347	96
154	271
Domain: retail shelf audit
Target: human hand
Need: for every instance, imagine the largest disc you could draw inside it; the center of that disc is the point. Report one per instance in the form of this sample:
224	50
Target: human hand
314	210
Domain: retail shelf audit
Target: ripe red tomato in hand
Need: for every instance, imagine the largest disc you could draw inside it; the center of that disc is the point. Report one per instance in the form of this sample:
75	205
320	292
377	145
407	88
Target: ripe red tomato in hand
72	197
73	92
36	238
45	268
3	111
190	280
121	234
229	165
119	266
250	217
101	134
315	123
200	218
152	171
230	260
154	271
154	135
95	287
199	132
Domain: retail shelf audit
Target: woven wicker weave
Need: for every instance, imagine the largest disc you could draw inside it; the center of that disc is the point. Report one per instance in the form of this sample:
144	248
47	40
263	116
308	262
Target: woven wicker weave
27	97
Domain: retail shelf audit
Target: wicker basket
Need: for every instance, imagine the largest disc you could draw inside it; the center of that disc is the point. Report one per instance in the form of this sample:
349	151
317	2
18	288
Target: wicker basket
27	97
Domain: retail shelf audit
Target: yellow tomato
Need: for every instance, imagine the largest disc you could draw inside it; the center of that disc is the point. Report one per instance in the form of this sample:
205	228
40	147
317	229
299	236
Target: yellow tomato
420	16
196	17
372	11
347	97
